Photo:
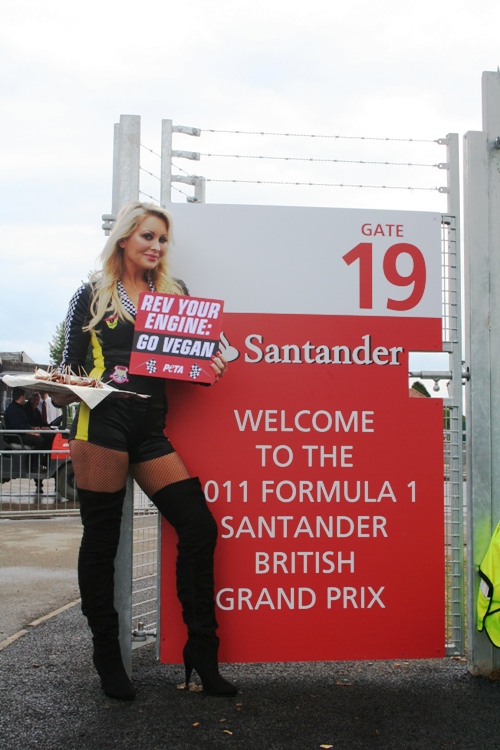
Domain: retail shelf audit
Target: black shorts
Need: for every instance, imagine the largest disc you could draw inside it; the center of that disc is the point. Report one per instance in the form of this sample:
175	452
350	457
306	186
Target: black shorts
135	426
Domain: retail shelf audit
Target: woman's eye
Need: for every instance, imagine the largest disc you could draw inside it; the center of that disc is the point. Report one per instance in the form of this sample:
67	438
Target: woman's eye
163	240
147	236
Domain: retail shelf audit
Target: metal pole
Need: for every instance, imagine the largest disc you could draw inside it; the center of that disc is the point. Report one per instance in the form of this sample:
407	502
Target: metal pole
199	190
454	346
482	277
115	196
158	586
123	578
166	163
127	159
453	404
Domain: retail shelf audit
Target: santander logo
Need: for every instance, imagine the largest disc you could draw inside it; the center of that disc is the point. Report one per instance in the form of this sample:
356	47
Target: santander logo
230	353
257	350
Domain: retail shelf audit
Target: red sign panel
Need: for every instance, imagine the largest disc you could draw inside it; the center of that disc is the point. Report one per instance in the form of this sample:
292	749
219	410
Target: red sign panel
326	482
176	337
325	478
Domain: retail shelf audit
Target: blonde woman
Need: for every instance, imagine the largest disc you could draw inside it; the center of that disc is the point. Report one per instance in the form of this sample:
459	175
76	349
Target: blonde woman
127	435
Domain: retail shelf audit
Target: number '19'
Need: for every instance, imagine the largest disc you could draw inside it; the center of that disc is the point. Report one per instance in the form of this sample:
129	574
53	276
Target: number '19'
416	278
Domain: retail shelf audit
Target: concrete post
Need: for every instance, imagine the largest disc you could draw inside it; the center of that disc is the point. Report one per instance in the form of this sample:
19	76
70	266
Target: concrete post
129	158
126	166
115	196
126	172
482	278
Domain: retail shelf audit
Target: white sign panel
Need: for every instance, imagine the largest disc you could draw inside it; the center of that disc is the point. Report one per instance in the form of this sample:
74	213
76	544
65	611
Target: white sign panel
323	261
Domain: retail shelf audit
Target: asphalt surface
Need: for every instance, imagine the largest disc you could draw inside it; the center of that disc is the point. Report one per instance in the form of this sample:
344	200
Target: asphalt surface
37	568
50	697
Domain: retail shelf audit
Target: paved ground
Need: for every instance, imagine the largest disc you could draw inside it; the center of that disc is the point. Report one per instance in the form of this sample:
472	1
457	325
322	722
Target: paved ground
37	568
50	696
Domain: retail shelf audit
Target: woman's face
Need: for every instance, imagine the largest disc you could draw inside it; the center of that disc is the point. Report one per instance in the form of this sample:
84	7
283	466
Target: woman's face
146	245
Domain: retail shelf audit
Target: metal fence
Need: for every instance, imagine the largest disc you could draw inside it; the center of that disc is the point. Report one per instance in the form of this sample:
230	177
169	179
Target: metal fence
145	567
35	481
42	483
454	443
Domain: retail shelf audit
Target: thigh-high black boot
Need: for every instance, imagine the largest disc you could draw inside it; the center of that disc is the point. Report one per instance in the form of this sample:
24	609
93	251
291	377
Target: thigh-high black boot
183	504
101	514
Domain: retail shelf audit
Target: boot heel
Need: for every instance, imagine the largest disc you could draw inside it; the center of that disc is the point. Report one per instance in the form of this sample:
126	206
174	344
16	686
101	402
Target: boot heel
109	666
201	654
188	668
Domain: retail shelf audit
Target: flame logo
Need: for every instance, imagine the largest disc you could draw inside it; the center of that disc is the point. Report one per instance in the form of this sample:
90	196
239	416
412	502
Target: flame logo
112	321
230	353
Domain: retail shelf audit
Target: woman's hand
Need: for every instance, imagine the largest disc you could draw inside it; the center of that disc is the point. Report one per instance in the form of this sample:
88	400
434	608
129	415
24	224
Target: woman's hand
219	365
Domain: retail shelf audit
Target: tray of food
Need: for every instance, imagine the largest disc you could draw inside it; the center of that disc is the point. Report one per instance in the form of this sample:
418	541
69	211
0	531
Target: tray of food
72	387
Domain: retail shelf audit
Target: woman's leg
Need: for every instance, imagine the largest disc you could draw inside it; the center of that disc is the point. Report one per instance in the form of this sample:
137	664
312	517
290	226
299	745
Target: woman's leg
180	499
100	478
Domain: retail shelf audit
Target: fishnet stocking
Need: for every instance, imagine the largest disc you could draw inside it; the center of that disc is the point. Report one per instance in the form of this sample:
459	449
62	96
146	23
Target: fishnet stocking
152	475
98	469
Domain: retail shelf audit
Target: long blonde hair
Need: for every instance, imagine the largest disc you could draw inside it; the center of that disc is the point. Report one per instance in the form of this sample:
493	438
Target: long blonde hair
104	282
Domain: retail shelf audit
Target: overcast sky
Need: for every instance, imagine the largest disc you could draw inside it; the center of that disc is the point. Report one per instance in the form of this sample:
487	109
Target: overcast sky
360	68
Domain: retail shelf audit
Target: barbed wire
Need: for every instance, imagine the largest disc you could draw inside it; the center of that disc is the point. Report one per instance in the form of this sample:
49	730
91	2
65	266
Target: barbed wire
303	159
147	195
180	191
150	174
327	184
332	161
151	150
315	135
176	166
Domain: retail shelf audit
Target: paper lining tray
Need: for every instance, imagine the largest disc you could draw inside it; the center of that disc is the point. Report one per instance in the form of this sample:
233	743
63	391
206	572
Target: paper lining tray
90	395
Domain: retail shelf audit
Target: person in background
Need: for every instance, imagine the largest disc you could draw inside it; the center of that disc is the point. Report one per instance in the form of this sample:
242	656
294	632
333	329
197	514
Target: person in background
47	409
36	420
33	413
123	435
16	419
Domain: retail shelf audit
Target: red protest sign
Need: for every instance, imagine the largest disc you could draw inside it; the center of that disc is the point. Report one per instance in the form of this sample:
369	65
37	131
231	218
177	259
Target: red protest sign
176	336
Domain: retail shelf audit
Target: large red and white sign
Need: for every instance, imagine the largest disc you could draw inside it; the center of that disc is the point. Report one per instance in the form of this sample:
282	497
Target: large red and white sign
326	479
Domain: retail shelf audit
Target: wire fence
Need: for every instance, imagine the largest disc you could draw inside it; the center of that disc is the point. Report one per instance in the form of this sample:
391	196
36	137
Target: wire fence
145	572
454	451
38	481
245	166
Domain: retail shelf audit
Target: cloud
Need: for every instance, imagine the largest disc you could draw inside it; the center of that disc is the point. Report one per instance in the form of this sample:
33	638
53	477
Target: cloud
45	265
